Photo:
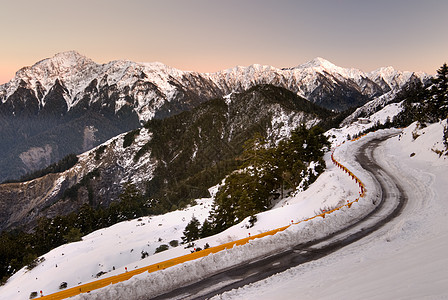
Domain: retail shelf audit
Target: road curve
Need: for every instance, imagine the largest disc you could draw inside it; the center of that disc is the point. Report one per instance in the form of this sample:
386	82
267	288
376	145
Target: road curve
392	200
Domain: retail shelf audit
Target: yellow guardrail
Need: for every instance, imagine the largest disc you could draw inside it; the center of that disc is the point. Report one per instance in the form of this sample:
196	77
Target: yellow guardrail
87	287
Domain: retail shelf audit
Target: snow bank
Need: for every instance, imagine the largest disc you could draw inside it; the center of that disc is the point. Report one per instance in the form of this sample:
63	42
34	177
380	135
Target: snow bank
145	286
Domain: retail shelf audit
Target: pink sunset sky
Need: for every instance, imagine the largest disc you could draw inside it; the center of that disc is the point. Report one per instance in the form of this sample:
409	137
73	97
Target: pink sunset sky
210	35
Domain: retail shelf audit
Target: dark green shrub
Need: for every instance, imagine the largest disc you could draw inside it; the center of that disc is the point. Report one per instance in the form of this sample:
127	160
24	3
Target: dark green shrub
63	285
130	137
174	243
144	254
252	220
161	248
100	273
35	263
99	151
74	235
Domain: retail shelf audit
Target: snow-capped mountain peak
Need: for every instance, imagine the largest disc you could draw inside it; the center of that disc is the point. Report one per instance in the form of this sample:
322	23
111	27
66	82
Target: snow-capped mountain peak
319	62
60	65
71	68
395	79
65	60
321	65
384	72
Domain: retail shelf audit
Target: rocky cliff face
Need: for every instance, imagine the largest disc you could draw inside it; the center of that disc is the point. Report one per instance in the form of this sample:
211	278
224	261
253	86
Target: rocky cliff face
37	157
96	179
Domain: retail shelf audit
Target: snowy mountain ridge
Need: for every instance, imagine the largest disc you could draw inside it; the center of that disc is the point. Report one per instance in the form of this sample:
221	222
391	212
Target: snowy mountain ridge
307	74
79	74
70	67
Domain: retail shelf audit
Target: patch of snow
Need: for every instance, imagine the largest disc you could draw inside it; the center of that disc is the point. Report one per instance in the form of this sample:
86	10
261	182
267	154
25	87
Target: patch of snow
282	124
228	98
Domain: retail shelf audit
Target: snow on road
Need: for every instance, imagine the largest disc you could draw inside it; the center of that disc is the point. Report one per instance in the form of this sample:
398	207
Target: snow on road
406	259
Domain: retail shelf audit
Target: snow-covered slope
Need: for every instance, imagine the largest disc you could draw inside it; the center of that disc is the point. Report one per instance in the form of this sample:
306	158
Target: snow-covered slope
404	260
113	165
370	108
356	127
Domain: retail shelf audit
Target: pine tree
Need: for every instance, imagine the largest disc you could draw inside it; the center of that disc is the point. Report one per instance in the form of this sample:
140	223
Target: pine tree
266	171
131	202
246	206
414	96
85	219
439	93
206	229
255	151
191	232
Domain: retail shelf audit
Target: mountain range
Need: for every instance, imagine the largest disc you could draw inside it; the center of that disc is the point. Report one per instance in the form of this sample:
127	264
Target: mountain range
154	89
195	125
69	104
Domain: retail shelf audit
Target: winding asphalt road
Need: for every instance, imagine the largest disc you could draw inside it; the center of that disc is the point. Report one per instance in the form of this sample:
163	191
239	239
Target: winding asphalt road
392	200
